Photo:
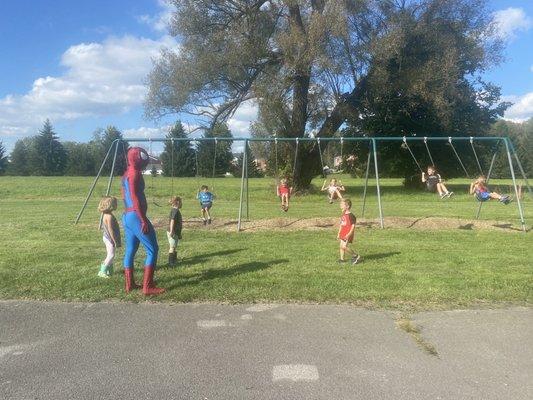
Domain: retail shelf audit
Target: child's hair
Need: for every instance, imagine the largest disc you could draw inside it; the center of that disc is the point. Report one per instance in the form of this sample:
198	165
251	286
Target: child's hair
333	180
174	201
107	204
283	181
204	187
481	178
348	202
432	167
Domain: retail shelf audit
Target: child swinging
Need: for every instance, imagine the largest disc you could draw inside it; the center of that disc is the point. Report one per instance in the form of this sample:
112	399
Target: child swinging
284	191
482	193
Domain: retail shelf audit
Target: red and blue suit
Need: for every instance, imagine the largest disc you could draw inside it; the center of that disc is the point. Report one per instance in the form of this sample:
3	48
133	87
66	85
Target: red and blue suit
137	227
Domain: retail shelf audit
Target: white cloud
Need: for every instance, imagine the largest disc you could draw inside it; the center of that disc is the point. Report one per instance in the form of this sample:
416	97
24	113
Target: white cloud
511	21
100	79
239	123
522	108
160	21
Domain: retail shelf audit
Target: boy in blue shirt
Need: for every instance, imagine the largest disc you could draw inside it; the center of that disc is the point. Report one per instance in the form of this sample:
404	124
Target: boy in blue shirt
206	202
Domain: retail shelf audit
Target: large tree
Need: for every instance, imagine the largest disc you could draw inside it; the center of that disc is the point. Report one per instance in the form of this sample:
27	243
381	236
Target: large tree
179	152
46	155
314	65
80	159
18	163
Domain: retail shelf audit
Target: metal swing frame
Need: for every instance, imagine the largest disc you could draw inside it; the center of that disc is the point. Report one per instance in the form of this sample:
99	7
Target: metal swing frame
372	156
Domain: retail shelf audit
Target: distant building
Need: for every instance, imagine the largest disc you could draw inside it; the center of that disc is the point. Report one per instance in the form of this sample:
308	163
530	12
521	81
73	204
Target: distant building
156	164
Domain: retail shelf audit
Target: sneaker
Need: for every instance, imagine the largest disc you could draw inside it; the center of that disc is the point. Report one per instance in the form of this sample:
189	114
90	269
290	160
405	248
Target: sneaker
449	194
356	259
109	270
102	274
443	195
505	199
209	221
205	222
330	201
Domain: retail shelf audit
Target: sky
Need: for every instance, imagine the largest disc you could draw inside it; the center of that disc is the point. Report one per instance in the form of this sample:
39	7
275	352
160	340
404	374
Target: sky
83	65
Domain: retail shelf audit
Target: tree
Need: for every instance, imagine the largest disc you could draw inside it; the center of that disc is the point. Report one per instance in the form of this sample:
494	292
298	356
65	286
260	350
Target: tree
314	65
206	152
46	154
253	169
105	141
3	159
18	163
183	154
80	159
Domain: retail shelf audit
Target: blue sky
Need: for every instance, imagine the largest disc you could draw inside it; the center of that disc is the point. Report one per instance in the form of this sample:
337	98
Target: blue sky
83	64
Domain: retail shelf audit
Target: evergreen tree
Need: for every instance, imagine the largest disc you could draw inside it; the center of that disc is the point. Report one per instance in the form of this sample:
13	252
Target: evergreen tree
183	154
80	159
18	164
105	141
47	155
3	159
253	170
223	156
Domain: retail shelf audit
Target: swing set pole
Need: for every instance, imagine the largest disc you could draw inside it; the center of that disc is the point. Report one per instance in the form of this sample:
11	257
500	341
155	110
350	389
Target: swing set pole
520	167
244	161
366	181
511	167
108	190
94	184
247	191
374	147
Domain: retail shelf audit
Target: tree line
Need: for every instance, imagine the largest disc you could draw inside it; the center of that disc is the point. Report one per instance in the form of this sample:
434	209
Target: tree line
45	155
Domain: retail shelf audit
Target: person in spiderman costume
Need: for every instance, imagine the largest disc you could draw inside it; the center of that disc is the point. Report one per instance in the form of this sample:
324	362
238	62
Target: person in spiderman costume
137	227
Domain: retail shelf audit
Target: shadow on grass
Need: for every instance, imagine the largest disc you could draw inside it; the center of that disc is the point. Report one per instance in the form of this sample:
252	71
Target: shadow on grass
466	227
379	256
222	273
201	258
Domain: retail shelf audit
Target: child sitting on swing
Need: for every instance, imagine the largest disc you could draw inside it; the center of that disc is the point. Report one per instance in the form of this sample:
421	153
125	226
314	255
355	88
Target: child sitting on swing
284	192
434	183
480	190
206	202
334	189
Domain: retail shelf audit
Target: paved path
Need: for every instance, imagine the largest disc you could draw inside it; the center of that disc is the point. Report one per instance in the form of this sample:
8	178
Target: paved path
159	351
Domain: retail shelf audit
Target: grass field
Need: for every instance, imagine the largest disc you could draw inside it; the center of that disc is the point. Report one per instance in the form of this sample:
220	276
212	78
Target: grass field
44	256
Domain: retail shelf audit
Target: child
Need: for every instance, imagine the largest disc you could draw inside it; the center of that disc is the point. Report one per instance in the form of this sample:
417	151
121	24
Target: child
434	183
175	224
206	202
284	191
479	189
347	232
111	236
334	190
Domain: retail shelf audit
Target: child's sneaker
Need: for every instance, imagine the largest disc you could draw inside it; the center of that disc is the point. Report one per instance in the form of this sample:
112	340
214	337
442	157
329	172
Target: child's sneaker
330	201
209	221
443	195
505	199
449	194
109	270
356	259
205	222
103	271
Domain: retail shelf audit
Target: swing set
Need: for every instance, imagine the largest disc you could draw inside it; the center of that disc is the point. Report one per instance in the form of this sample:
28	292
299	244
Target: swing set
372	156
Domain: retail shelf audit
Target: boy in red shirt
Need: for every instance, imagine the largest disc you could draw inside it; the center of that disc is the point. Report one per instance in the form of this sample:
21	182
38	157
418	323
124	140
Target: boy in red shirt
347	232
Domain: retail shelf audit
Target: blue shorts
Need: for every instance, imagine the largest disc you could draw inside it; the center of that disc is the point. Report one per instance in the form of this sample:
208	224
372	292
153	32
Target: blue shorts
483	196
206	206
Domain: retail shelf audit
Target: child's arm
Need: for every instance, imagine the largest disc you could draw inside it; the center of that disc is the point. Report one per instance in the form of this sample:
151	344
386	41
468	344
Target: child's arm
171	225
339	233
472	187
424	179
179	225
107	222
324	185
277	191
290	190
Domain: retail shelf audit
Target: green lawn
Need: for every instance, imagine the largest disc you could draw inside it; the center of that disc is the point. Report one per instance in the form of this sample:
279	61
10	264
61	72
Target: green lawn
44	256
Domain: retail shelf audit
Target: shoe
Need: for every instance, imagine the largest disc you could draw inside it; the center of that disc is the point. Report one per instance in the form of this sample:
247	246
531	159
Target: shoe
171	259
149	288
449	194
505	199
103	271
209	221
330	201
109	270
356	259
443	195
129	281
205	222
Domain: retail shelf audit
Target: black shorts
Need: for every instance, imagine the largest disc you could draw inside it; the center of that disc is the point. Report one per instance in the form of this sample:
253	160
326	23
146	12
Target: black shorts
206	206
431	187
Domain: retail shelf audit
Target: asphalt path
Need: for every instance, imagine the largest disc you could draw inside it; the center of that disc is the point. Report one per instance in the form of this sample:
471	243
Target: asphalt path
51	350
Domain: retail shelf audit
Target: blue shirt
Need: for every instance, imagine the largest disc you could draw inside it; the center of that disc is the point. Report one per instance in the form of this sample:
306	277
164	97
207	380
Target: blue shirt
205	197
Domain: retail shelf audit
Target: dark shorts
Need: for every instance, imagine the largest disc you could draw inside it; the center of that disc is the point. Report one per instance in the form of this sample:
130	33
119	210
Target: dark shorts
483	196
206	206
431	187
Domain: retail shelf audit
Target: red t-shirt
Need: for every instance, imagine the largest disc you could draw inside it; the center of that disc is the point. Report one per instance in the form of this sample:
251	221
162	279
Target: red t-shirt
347	221
284	189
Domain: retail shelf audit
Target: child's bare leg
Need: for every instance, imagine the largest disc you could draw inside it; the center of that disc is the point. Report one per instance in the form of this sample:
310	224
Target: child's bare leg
342	248
494	195
339	195
440	189
208	214
443	187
